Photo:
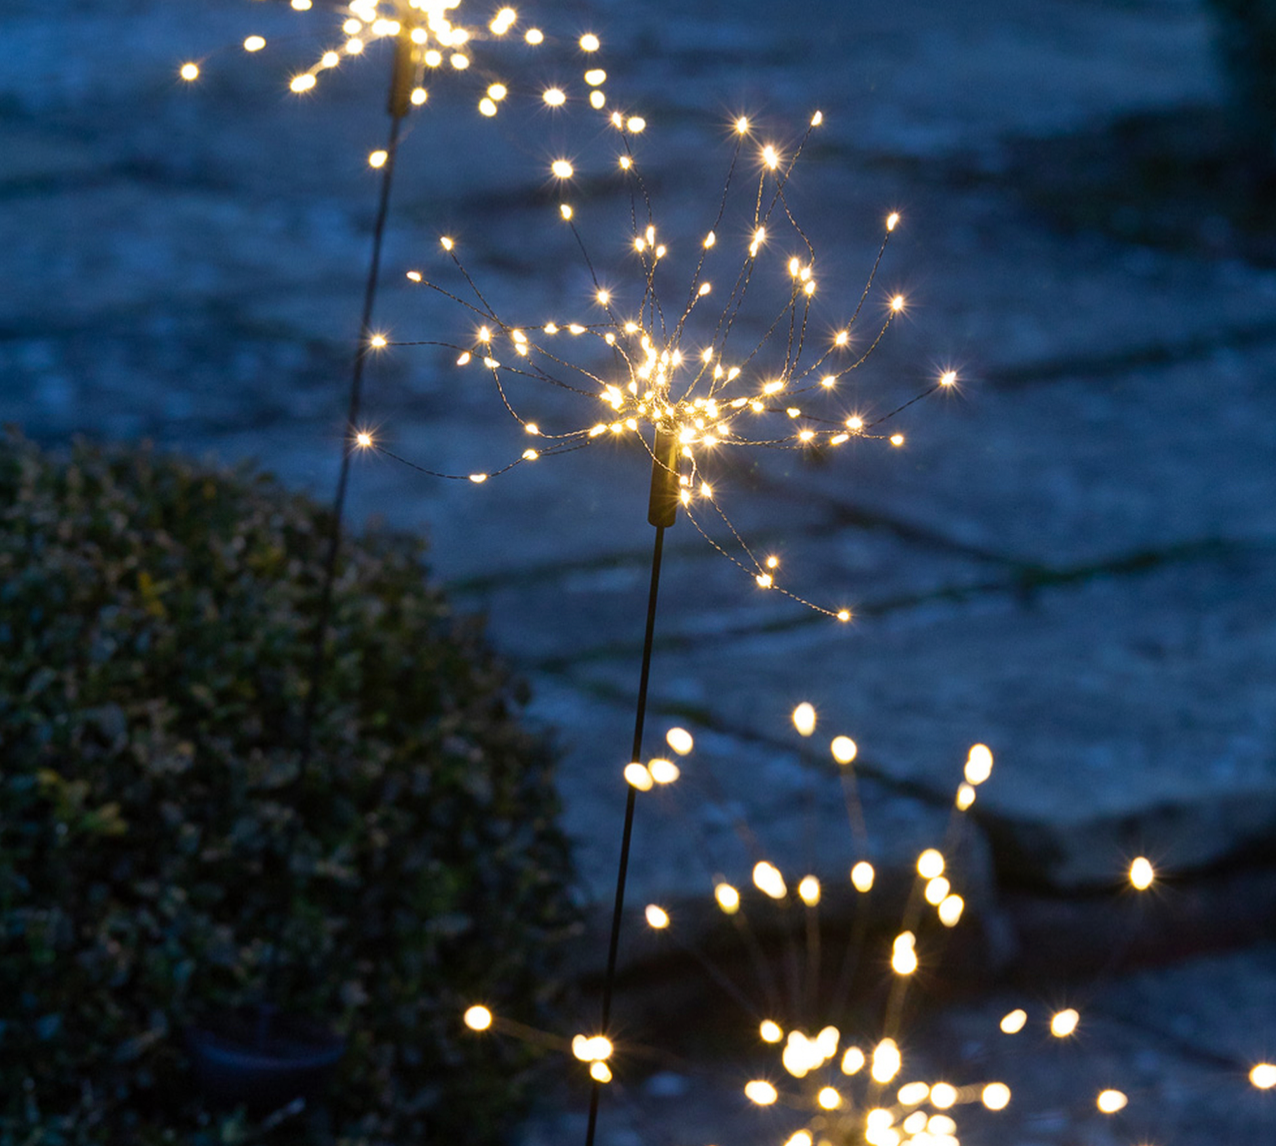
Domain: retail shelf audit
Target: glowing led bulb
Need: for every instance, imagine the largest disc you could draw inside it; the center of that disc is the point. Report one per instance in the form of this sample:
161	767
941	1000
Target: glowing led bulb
418	96
1263	1075
589	42
897	303
978	764
663	771
378	158
1110	1101
600	1072
904	954
1014	1022
948	378
189	72
680	740
937	890
728	899
844	749
995	1096
534	36
897	439
657	917
943	1096
892	220
761	1092
965	797
914	1094
829	1099
768	880
809	891
886	1061
804	718
1142	874
478	1018
1064	1023
770	1032
862	876
930	864
562	169
637	776
950	910
363	439
853	1060
254	43
554	97
378	341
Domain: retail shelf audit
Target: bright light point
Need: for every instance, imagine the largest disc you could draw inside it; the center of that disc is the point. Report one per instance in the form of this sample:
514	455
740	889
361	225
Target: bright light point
562	169
705	288
773	563
329	60
680	740
950	910
809	890
600	1072
447	245
729	900
761	1092
930	864
914	1094
352	27
842	338
804	718
354	46
636	124
189	72
844	615
794	266
657	917
800	1138
478	1018
487	107
414	276
498	91
995	1096
904	954
886	1061
709	240
1263	1075
965	797
637	776
589	42
534	36
378	341
363	439
419	96
817	119
897	439
844	749
770	157
1110	1101
862	876
1014	1022
460	62
254	43
663	771
853	1060
948	378
937	890
595	76
942	1095
530	455
978	764
433	58
892	220
301	5
829	1098
897	303
566	211
597	100
478	479
378	158
768	880
603	297
1064	1023
770	1032
1142	873
764	580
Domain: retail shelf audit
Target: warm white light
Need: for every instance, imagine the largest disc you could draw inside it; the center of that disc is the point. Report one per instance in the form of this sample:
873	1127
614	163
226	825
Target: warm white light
942	1096
589	42
562	169
886	1061
1263	1075
1110	1101
829	1098
995	1096
189	72
1014	1022
663	771
950	910
657	917
1142	874
680	740
904	954
534	36
853	1060
363	439
930	864
862	876
1064	1023
804	718
378	158
809	891
600	1072
760	1092
978	764
770	1031
478	1018
768	880
728	899
254	43
637	776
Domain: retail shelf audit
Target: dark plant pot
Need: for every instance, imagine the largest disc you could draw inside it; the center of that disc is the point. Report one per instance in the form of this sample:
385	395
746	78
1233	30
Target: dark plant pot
262	1061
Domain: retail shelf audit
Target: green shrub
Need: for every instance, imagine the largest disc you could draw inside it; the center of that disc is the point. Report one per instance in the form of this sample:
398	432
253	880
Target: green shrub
1245	40
155	620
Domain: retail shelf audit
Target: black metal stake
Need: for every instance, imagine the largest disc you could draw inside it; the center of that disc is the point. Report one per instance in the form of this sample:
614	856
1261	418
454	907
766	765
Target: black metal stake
662	509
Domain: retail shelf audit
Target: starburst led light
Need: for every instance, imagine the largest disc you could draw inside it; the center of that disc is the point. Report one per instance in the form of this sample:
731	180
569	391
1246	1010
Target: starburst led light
685	380
430	37
837	1079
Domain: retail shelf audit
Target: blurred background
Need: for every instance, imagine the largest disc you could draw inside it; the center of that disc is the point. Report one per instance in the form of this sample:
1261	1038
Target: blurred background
1070	559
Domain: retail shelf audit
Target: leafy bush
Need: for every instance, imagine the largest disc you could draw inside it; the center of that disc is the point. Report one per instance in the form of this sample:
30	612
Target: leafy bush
155	624
1245	39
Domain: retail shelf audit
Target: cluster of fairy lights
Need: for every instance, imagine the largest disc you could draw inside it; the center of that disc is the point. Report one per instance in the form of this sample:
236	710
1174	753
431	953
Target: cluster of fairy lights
850	1090
656	374
436	41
